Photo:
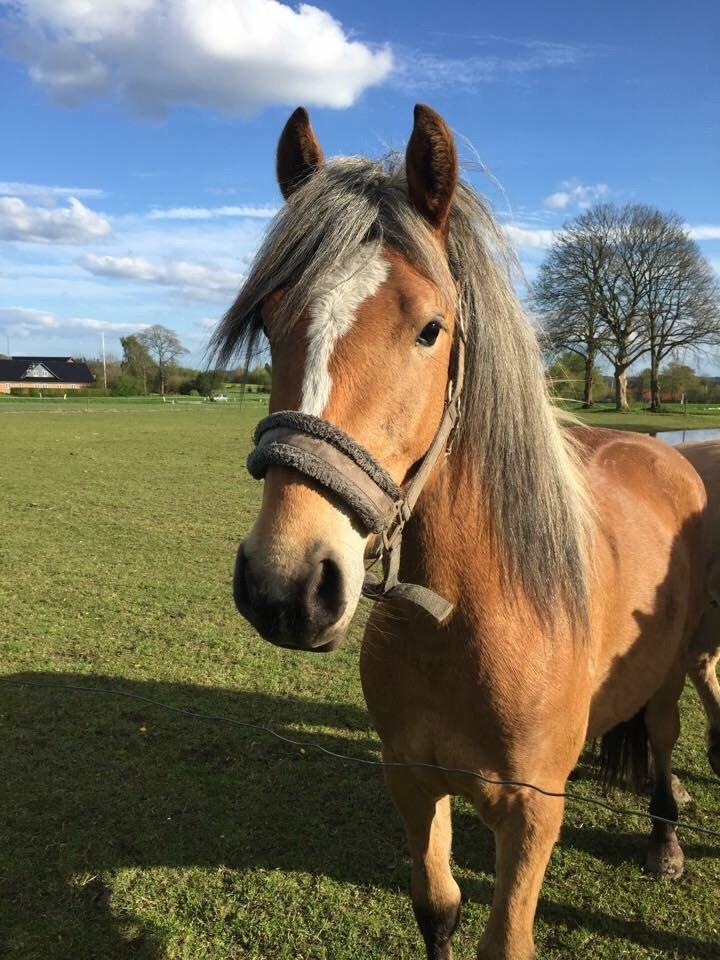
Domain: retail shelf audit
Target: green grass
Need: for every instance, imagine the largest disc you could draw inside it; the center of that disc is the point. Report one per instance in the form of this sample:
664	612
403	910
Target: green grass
673	417
127	831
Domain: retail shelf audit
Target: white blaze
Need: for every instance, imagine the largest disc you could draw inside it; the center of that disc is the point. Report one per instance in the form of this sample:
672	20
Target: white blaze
332	313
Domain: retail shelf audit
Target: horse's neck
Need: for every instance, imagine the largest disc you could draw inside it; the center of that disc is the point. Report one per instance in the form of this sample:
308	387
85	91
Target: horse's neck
448	542
450	547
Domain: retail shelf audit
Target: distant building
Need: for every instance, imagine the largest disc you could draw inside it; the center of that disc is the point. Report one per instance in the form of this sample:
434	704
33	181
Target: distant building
46	373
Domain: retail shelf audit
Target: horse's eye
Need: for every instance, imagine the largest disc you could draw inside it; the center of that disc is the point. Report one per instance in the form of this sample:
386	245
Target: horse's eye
429	333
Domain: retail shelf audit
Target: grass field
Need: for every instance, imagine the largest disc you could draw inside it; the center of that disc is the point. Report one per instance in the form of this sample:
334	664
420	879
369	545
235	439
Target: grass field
128	831
638	418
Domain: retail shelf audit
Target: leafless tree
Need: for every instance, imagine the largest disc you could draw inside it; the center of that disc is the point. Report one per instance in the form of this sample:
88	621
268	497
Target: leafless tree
569	291
623	282
165	347
624	285
681	298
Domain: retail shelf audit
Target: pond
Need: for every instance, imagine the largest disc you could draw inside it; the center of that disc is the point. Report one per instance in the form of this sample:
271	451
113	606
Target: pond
687	436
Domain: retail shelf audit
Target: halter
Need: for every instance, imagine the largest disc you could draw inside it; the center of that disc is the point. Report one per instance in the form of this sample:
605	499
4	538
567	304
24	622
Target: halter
326	454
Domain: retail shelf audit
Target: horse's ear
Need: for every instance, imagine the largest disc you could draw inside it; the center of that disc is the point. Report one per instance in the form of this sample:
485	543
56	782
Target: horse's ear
431	166
298	154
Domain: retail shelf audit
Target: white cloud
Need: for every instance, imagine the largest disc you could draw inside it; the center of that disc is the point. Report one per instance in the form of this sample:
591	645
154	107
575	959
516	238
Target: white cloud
27	322
212	213
528	238
704	231
41	191
235	56
573	193
419	70
74	223
193	280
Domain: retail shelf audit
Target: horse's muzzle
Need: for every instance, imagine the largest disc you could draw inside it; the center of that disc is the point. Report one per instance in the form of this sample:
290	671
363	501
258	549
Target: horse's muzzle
300	614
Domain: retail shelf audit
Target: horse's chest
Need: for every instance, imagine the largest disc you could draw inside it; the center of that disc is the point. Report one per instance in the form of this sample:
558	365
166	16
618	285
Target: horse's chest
439	709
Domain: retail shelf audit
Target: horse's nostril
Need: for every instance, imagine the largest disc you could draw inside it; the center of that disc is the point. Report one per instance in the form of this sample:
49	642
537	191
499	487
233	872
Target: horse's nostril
324	596
329	589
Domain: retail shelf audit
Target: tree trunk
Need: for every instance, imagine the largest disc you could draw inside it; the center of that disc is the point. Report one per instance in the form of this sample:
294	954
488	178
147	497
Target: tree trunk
588	388
655	397
162	382
621	402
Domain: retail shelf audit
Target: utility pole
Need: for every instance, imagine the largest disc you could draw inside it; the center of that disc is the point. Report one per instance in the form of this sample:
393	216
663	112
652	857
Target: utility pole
102	334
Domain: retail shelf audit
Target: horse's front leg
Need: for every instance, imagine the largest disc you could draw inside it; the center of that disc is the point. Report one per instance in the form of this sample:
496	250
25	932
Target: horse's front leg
525	832
435	894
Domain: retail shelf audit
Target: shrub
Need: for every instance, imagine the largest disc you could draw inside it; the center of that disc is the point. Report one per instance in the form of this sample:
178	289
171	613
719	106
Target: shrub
127	385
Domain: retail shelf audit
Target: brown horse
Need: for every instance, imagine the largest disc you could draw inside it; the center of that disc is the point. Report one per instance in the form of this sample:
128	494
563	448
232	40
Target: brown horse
573	558
705	647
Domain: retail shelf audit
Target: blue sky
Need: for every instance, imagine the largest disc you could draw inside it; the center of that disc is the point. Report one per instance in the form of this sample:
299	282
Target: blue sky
136	174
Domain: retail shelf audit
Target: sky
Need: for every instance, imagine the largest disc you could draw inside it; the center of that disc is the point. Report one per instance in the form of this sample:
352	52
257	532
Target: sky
137	160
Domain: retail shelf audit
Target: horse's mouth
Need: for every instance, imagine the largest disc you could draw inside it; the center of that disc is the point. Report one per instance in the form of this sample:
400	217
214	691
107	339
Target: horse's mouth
322	647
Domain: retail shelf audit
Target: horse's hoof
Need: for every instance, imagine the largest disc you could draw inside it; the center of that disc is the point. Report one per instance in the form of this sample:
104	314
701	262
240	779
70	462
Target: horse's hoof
680	794
714	751
665	859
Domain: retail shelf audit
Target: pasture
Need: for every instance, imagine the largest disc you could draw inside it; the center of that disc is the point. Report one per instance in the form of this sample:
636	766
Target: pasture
129	831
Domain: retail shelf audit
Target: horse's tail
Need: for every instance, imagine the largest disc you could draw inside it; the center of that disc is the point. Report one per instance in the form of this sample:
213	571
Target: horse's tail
625	756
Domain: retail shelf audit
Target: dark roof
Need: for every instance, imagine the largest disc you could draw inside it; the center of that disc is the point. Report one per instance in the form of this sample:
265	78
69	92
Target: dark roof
43	359
62	369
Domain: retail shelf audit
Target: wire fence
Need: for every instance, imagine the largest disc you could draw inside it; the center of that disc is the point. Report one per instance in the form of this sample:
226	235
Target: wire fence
363	761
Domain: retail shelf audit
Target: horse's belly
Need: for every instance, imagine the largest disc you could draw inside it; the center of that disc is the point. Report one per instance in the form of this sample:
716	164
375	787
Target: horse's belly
645	631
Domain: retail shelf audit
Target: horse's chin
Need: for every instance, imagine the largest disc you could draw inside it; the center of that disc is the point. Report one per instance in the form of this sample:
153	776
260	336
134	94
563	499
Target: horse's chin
321	645
292	636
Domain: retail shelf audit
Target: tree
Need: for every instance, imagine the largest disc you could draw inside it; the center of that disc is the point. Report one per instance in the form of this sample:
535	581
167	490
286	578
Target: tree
624	282
589	291
208	381
260	377
137	361
127	385
677	379
569	292
680	301
567	377
112	367
164	345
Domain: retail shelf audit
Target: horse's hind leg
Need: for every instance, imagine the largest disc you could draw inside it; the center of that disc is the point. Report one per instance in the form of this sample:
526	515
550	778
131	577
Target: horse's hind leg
662	719
704	657
435	895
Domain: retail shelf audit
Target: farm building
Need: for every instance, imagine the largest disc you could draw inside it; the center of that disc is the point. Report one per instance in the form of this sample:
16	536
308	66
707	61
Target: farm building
47	373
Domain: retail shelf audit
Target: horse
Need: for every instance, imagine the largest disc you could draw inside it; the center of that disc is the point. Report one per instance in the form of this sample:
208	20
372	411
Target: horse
705	646
551	576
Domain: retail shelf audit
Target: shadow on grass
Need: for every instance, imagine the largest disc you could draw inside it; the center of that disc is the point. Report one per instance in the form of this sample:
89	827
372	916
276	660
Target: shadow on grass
91	784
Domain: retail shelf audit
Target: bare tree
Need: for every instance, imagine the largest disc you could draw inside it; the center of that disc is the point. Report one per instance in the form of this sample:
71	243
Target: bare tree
622	283
569	292
681	301
624	286
165	347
